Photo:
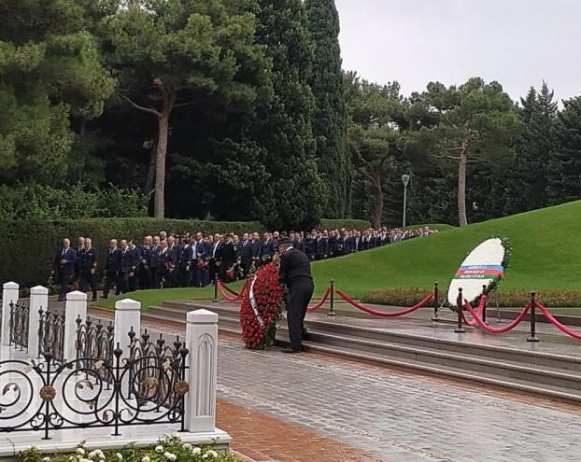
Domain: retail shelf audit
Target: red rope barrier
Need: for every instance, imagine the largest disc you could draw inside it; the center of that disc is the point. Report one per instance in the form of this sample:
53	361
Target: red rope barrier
556	323
498	330
318	305
384	313
479	311
237	296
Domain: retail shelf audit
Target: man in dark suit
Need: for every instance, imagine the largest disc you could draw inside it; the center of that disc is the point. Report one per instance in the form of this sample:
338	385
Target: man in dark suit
227	257
80	247
112	267
127	267
89	258
295	273
136	257
64	264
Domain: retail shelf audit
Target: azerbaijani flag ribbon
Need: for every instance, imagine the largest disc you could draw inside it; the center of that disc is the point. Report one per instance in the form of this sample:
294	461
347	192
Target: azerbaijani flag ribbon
480	272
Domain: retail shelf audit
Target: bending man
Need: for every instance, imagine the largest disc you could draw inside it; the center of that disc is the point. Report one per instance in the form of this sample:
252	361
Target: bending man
295	273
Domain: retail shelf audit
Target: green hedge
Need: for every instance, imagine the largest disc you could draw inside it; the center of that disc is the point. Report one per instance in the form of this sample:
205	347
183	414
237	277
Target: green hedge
340	223
28	247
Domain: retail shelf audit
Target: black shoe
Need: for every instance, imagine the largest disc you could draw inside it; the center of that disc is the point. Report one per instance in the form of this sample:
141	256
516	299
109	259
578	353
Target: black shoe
289	350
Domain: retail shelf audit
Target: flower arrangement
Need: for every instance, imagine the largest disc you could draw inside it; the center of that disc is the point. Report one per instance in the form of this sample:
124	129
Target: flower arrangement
167	449
262	303
202	263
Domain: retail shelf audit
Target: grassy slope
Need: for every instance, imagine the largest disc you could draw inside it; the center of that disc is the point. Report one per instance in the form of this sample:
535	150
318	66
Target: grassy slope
546	255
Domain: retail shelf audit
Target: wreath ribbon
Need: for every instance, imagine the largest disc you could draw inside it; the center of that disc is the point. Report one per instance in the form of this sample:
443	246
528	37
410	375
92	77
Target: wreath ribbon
253	303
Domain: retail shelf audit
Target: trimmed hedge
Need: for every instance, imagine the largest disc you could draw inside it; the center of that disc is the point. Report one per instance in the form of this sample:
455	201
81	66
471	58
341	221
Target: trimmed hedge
28	247
506	299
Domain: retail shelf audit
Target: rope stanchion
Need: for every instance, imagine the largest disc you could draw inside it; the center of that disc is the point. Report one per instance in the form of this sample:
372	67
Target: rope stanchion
215	299
321	302
436	301
533	337
484	308
556	323
459	328
498	330
331	312
384	313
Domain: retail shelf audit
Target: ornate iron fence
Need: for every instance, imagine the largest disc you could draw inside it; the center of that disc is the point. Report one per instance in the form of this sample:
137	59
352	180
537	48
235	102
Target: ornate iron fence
19	315
51	334
51	395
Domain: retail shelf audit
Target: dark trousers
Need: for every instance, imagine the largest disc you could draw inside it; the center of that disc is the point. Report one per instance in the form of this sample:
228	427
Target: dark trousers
88	280
161	276
65	278
122	282
145	278
133	282
299	296
186	277
154	278
110	280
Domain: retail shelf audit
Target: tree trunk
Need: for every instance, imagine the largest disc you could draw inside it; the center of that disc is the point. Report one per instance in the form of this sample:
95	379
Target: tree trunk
150	180
376	178
160	157
462	218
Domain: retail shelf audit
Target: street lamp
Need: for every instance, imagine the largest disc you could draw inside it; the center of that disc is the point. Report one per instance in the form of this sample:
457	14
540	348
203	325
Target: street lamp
405	179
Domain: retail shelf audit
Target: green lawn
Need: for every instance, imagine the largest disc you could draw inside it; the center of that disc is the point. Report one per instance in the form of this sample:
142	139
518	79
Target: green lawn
546	256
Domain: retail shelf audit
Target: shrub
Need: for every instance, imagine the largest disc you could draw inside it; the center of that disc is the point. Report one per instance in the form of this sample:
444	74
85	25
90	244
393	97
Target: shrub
29	247
167	449
506	299
340	223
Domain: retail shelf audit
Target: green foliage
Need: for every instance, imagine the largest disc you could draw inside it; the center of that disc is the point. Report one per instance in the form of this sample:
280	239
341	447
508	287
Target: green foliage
168	448
37	202
293	196
330	116
564	169
31	264
344	223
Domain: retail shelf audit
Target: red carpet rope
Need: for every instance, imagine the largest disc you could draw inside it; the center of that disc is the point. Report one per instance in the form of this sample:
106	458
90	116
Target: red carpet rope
321	302
387	314
498	330
556	323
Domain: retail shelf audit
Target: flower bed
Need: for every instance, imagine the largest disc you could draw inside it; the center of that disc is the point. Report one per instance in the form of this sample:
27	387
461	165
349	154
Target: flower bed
506	299
167	449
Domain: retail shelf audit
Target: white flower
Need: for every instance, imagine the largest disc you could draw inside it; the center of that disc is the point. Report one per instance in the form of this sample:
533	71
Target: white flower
119	456
146	459
187	446
170	456
159	449
210	454
196	451
81	451
84	460
45	459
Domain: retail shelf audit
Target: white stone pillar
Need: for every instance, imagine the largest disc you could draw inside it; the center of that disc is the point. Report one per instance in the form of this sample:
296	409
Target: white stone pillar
38	301
75	307
202	343
9	295
127	316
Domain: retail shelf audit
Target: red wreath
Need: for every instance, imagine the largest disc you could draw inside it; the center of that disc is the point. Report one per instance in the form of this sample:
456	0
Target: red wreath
269	296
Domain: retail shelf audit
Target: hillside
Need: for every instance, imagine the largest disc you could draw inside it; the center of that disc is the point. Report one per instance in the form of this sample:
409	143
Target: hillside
546	255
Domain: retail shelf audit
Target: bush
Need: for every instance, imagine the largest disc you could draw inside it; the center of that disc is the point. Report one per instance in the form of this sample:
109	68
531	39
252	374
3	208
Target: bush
506	299
340	223
37	202
29	247
167	449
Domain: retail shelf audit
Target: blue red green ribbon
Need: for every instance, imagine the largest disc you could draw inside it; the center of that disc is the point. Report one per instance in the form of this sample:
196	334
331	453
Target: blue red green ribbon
480	272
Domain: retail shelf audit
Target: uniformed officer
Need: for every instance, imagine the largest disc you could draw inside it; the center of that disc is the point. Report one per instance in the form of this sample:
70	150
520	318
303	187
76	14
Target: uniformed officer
295	273
89	258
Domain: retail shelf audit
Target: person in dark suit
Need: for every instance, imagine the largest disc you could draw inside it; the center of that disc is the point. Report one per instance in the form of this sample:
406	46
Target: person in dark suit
144	267
127	267
187	264
215	257
136	259
295	273
64	264
227	256
112	267
89	259
80	248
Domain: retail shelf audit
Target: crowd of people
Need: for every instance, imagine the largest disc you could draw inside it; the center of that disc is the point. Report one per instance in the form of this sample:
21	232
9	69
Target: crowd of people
171	260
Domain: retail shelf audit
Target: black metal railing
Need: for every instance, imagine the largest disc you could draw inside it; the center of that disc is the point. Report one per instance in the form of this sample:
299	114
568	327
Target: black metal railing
51	395
19	315
51	334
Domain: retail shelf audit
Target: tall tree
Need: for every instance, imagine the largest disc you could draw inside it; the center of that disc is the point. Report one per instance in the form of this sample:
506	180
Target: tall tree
564	170
526	182
294	194
330	117
172	53
51	82
477	123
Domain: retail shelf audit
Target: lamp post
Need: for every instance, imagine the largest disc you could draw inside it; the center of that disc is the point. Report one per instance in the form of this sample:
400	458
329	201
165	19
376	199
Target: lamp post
405	179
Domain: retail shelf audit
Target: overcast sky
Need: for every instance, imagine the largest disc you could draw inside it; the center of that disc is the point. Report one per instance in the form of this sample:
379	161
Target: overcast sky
516	42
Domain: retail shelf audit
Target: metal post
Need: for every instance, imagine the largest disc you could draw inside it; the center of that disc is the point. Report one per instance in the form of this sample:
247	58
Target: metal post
215	299
485	305
459	303
533	337
436	301
332	299
405	179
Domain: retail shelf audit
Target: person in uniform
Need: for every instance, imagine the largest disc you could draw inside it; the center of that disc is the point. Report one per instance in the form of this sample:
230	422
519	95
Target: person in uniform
112	267
89	259
295	273
64	262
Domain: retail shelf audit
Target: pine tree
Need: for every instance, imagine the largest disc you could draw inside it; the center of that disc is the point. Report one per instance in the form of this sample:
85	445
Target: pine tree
293	195
564	168
526	182
329	123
